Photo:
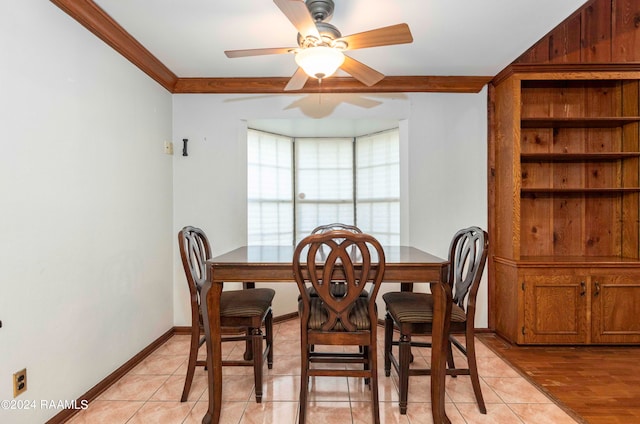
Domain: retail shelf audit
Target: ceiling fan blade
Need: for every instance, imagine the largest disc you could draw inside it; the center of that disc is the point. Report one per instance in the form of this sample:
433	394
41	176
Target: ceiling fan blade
366	75
298	13
386	36
297	81
258	52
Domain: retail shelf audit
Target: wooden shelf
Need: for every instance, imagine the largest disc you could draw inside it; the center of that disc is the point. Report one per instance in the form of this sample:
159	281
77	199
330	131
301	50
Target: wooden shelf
593	122
564	187
582	190
577	157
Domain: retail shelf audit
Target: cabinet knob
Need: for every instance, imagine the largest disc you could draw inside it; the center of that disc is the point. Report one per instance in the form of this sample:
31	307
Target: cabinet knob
597	288
583	288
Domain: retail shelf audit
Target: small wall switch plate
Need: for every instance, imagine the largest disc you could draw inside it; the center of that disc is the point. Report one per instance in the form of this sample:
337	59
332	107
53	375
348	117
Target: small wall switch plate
168	148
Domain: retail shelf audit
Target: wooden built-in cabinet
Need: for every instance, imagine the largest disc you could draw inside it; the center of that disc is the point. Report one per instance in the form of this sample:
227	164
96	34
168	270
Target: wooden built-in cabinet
569	302
565	170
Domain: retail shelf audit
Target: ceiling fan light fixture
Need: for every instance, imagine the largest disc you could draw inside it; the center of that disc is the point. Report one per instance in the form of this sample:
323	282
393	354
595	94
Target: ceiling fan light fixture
319	62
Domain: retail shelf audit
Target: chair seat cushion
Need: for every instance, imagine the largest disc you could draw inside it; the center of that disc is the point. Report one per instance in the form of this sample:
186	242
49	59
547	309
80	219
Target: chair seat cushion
246	303
409	307
359	315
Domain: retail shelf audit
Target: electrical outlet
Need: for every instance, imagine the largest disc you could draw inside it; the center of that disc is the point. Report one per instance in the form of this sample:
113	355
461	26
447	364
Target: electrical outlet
19	382
168	147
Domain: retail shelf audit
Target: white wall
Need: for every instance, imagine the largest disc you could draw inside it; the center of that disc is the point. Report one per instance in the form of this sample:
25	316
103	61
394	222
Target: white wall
443	162
87	230
86	234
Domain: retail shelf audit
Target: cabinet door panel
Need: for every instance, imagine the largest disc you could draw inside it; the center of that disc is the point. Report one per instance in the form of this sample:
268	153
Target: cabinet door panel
555	309
616	309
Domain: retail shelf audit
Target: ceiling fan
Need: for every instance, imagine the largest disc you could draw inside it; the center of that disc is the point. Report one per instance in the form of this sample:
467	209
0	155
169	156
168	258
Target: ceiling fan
320	44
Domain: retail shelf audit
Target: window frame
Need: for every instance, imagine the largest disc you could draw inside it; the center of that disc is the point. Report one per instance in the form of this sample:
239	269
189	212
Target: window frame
391	200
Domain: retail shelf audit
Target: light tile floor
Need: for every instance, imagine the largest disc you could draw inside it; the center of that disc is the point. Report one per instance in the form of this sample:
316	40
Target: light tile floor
150	393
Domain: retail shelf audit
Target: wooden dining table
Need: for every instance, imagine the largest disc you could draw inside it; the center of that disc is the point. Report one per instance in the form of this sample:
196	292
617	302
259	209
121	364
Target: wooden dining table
273	264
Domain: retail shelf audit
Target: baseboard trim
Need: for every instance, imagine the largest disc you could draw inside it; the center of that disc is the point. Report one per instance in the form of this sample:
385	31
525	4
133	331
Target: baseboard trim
285	317
108	381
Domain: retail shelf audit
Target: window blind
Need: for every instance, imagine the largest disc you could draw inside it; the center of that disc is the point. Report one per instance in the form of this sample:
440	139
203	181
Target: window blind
269	189
297	184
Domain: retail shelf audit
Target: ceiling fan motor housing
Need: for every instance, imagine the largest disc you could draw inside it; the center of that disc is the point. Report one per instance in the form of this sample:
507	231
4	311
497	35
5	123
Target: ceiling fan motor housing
328	34
320	10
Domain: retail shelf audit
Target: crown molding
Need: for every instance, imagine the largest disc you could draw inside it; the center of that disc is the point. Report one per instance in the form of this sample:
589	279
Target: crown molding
616	70
92	17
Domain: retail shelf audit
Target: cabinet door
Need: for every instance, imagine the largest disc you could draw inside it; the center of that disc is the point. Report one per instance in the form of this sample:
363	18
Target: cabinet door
615	316
555	309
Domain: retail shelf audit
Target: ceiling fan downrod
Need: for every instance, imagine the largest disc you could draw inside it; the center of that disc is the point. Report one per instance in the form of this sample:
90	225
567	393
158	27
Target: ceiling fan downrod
321	10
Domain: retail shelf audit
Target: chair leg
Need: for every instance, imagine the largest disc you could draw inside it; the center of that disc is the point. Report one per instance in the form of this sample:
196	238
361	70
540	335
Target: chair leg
366	354
450	362
256	342
373	361
248	349
268	324
388	344
403	373
473	373
304	382
193	357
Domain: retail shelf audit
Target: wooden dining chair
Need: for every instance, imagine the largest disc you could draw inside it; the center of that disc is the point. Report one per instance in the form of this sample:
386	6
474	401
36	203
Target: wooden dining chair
412	314
243	313
347	319
337	287
320	229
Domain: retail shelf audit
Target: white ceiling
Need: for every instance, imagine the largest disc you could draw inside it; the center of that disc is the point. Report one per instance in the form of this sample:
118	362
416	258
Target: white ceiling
451	37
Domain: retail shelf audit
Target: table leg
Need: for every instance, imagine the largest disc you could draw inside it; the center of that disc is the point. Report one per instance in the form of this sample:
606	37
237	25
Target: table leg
210	308
248	351
439	346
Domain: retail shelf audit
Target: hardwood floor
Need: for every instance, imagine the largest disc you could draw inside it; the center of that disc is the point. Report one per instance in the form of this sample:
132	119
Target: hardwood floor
599	384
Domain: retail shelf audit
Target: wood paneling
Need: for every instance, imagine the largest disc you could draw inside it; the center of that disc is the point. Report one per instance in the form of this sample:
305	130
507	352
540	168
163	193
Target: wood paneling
538	53
578	224
507	316
602	31
631	172
564	42
625	24
596	31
